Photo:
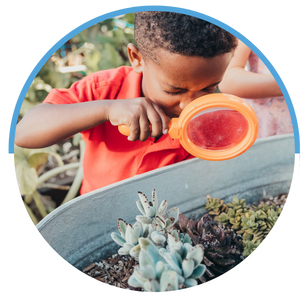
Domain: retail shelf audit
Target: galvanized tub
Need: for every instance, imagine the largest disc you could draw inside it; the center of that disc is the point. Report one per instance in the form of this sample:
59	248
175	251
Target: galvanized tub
80	230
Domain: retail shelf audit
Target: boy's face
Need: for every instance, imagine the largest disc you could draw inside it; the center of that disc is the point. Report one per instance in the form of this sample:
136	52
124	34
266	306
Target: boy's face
177	80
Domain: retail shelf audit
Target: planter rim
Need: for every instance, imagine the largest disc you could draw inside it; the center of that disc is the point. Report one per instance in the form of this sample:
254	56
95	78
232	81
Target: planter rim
158	171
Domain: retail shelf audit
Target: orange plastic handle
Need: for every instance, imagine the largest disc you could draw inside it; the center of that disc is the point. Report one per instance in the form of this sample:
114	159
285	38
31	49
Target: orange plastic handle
173	128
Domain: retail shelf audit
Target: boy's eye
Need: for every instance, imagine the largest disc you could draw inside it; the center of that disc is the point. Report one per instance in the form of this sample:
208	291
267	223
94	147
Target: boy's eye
209	90
206	90
173	93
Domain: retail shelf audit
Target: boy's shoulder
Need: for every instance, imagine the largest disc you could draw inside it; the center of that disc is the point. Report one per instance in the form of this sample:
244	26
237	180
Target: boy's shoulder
114	76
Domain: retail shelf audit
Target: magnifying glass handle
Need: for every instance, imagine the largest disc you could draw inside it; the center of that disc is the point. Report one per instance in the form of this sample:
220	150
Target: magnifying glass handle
173	129
125	130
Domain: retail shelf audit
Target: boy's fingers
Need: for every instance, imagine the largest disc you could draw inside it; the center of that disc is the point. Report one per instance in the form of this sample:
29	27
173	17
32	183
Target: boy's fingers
144	128
134	131
164	119
155	120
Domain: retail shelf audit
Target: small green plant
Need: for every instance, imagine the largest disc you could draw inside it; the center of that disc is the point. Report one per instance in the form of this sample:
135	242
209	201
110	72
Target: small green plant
153	223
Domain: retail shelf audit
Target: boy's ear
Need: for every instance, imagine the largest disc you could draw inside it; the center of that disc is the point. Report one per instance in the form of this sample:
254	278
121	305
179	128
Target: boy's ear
135	58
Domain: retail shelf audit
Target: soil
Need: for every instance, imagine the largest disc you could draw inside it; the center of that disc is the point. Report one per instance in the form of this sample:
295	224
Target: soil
116	269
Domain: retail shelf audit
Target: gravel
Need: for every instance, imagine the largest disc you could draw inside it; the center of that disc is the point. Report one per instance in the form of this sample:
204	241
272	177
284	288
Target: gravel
115	270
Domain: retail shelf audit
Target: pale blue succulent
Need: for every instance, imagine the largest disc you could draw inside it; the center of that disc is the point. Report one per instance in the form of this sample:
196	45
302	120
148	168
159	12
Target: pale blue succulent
152	224
128	237
167	269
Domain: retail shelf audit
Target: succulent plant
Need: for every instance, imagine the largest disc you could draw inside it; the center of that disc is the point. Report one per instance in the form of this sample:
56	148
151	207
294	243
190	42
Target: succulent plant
222	247
154	224
167	269
215	206
252	222
128	237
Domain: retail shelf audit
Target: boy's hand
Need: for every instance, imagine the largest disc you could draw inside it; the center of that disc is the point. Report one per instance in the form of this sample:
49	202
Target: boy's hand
137	114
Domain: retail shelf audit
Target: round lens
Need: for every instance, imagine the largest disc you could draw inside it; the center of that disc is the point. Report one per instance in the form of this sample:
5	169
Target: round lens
217	128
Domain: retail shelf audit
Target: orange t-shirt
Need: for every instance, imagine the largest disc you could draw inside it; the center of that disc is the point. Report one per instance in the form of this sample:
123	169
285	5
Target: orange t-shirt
109	157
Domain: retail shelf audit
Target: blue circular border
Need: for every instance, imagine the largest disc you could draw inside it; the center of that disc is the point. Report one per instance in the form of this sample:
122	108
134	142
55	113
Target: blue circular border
151	8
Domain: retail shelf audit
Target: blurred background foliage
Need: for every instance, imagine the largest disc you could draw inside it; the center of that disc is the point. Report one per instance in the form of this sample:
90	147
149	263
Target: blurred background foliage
102	46
44	177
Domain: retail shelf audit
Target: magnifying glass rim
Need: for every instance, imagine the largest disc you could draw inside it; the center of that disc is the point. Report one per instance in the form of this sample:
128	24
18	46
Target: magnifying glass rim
218	101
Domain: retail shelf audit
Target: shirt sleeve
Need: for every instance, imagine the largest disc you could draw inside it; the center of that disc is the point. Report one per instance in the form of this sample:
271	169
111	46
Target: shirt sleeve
79	91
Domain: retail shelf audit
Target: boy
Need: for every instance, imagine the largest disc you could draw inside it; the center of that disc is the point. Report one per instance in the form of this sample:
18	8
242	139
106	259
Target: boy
178	58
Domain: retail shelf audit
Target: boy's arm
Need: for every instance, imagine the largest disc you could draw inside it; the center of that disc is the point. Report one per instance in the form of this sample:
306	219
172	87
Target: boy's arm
48	124
245	84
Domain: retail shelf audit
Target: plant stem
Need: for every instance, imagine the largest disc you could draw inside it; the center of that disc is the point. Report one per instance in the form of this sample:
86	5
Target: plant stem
39	204
75	186
32	216
78	179
55	171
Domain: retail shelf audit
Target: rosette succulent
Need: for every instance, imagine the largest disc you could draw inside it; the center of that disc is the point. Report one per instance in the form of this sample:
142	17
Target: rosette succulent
222	247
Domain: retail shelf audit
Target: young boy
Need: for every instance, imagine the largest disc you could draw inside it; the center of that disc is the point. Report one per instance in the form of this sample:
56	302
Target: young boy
178	58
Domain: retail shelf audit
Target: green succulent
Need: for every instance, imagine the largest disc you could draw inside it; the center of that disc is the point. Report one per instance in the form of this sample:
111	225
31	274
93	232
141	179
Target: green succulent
215	206
249	247
253	222
167	269
154	224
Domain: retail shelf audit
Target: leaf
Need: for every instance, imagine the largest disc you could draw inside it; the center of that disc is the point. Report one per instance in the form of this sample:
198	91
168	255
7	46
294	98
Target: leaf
169	281
171	239
26	178
27	161
151	286
199	271
145	204
140	207
140	278
36	160
154	200
162	207
151	249
187	267
123	251
159	222
147	271
118	239
197	254
172	213
187	239
133	282
159	269
135	233
143	219
145	259
122	226
190	282
129	230
157	237
170	259
135	251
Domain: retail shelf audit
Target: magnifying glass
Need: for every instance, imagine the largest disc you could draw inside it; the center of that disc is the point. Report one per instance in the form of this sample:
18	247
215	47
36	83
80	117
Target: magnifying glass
214	127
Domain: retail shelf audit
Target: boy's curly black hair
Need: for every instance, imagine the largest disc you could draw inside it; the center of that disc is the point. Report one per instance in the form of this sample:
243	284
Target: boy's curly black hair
181	34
